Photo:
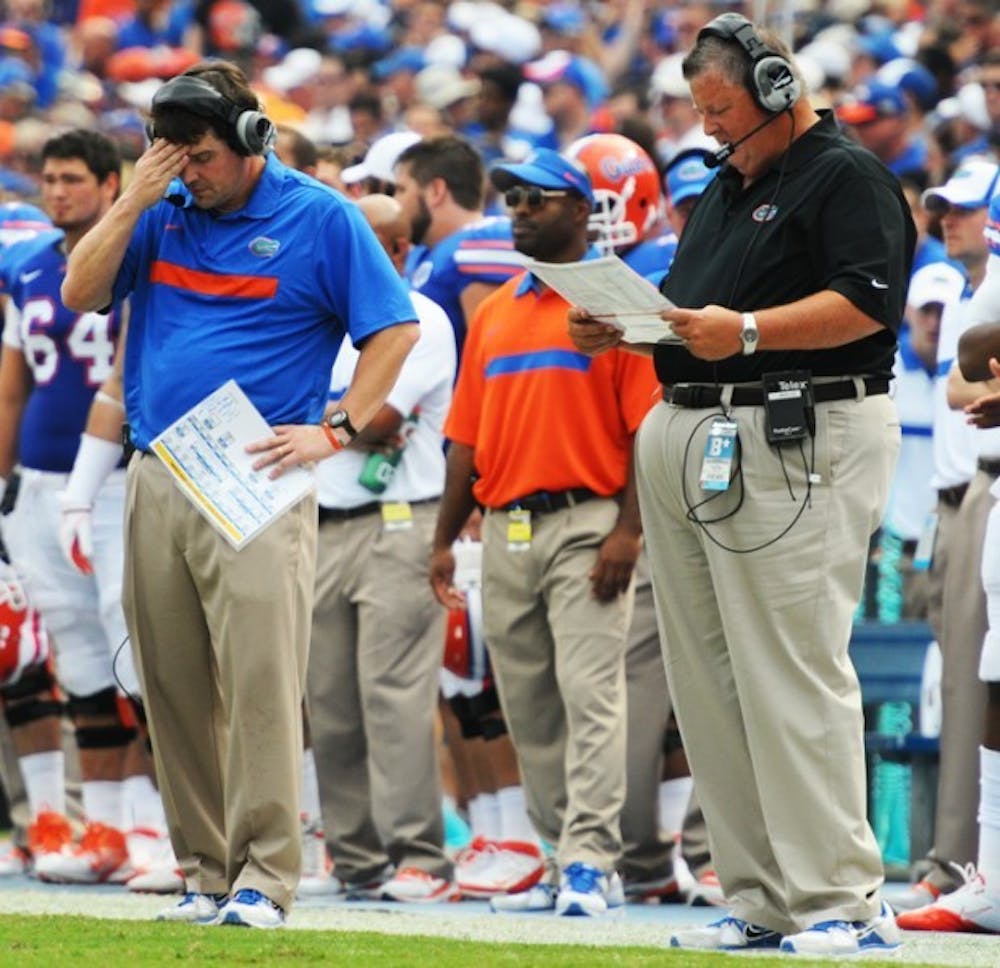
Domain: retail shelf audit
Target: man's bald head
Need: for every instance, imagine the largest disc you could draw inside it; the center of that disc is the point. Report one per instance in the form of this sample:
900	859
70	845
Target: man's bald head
389	222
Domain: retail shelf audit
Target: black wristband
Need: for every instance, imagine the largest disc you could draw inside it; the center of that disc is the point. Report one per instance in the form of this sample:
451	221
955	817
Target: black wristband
340	418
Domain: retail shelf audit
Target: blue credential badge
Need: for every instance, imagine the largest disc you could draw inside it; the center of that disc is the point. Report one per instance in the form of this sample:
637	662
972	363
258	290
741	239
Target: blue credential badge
720	448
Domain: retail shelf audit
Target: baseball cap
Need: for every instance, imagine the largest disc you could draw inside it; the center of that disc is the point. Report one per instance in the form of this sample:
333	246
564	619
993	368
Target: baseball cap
403	59
668	79
971	186
381	158
562	66
688	175
912	77
872	101
937	282
440	85
546	169
298	67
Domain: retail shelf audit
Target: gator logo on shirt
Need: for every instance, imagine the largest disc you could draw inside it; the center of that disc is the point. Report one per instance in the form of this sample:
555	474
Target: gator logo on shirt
764	213
264	247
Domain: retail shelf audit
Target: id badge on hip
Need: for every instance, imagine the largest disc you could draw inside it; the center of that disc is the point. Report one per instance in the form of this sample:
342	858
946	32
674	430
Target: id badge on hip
720	449
518	530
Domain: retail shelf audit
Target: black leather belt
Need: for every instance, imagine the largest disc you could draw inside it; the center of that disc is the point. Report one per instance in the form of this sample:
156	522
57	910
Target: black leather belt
952	496
697	396
348	514
991	467
542	502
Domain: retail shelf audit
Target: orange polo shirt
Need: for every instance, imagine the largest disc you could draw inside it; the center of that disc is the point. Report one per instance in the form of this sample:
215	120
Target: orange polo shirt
540	414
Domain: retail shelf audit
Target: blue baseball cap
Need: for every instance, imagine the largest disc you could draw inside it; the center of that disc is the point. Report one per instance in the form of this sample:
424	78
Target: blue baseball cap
687	175
872	101
546	169
912	77
404	59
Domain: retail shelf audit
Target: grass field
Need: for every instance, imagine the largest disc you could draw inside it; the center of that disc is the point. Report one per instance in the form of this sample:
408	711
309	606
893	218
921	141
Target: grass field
95	943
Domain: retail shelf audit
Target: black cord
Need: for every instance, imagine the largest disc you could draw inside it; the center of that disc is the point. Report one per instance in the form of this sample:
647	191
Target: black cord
137	700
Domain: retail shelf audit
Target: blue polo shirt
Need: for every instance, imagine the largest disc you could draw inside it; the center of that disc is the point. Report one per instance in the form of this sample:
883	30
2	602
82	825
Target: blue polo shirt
262	296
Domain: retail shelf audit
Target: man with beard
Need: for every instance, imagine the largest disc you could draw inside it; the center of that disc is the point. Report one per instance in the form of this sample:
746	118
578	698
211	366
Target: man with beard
546	434
464	256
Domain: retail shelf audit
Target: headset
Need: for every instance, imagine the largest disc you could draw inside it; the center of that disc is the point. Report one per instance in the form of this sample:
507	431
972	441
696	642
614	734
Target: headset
769	79
253	133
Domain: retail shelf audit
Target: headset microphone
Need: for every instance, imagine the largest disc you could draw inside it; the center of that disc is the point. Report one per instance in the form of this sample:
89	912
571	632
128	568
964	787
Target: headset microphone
723	154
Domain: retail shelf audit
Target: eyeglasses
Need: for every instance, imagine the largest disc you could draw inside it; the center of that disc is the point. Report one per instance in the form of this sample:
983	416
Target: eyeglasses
532	194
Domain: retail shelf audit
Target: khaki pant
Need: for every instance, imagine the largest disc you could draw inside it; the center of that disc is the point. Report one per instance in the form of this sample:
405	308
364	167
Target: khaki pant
558	656
221	640
963	694
756	648
377	641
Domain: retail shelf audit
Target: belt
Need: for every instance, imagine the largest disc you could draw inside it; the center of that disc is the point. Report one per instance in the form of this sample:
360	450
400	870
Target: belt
348	514
697	396
991	467
542	502
952	496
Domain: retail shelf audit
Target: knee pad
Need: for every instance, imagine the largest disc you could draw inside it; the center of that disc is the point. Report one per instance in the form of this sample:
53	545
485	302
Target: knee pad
31	698
33	681
493	727
106	704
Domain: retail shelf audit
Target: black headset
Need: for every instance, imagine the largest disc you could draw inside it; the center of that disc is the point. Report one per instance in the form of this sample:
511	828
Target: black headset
769	78
253	133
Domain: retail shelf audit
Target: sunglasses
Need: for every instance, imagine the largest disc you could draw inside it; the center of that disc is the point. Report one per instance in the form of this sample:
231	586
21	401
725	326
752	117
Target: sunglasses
532	194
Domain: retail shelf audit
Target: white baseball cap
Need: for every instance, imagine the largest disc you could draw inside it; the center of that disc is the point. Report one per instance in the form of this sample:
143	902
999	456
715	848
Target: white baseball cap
973	185
381	158
937	282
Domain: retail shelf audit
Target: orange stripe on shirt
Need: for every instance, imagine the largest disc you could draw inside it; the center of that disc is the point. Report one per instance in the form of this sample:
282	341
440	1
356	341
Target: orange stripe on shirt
479	268
213	283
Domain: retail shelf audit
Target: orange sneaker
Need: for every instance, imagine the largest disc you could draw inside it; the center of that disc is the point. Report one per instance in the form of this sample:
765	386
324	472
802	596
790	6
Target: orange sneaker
101	855
974	907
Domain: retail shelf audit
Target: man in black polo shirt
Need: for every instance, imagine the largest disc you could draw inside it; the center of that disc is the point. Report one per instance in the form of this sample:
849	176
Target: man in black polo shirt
792	274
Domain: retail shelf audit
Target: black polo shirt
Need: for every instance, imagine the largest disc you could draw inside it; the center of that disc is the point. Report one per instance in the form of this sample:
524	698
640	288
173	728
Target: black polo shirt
837	220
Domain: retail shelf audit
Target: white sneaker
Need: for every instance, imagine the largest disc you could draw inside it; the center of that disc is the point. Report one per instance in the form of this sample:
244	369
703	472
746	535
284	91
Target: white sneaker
974	907
193	908
248	908
14	861
100	856
502	868
706	891
541	897
726	934
412	885
332	886
878	935
151	856
586	890
917	895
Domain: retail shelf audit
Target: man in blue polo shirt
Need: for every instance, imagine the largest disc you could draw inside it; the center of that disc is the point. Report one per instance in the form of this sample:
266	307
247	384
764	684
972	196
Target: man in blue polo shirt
253	272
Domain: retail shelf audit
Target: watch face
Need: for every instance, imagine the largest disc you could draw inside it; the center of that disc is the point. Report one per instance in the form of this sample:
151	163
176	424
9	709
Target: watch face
750	336
337	418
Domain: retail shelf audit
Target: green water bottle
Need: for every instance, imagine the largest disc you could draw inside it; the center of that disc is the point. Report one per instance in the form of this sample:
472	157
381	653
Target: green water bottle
379	467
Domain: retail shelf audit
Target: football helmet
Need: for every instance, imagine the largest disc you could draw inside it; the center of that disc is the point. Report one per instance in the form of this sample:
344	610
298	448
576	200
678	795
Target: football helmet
626	189
23	640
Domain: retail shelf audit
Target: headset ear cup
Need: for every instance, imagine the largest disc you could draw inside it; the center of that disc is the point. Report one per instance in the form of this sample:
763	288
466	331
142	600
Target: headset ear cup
150	132
774	84
255	132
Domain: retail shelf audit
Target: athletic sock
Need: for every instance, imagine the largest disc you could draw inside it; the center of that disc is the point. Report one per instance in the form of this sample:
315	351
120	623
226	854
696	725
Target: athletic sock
45	781
514	822
484	816
674	797
989	817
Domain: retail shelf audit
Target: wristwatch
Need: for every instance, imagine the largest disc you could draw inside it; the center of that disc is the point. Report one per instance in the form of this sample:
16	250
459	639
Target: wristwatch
338	420
749	334
341	418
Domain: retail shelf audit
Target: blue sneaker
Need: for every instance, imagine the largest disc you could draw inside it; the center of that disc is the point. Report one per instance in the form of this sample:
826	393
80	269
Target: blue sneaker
248	908
726	934
587	891
878	936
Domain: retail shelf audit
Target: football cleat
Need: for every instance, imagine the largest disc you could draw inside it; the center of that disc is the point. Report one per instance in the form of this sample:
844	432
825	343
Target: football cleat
499	867
101	855
973	907
416	886
14	861
151	858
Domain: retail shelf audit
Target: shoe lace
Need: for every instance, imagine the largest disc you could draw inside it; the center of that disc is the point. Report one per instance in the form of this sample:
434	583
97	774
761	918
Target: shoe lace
966	871
99	836
583	877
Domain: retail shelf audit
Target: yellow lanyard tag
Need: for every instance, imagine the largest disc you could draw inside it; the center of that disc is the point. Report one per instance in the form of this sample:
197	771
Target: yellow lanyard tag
518	530
397	516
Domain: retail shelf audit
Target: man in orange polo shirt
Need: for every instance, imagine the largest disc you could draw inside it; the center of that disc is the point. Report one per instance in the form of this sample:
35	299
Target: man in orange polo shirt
546	435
